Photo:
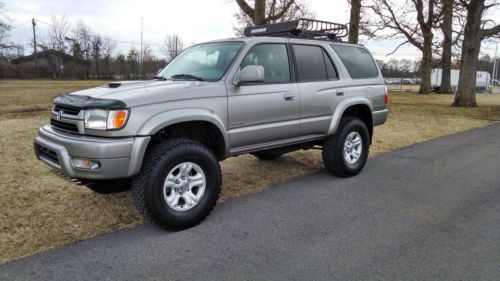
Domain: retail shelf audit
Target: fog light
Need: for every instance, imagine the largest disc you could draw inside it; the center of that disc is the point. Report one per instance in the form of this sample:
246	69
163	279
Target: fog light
85	164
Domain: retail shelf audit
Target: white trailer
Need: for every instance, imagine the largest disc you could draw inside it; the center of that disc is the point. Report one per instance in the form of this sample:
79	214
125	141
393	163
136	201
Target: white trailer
482	79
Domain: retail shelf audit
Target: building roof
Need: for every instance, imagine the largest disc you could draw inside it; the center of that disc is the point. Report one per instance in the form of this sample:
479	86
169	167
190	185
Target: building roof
43	54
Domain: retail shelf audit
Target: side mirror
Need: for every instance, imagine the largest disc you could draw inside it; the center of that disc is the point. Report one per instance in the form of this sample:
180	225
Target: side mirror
250	74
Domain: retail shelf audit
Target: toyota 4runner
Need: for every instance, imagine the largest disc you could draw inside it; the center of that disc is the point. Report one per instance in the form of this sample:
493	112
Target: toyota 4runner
283	87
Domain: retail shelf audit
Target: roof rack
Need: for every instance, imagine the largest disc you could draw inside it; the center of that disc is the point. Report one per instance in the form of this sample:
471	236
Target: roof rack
300	28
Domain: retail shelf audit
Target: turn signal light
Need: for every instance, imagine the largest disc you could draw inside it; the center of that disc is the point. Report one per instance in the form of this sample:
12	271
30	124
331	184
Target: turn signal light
120	119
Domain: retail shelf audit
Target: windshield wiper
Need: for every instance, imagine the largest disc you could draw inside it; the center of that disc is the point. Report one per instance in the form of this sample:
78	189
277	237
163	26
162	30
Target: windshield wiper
187	76
159	78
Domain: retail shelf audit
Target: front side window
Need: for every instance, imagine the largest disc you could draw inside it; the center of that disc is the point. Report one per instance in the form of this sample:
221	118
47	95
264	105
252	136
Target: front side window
203	62
274	59
358	61
313	64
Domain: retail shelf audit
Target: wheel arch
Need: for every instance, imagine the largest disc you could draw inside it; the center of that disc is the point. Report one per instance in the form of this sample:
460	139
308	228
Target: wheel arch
356	107
196	124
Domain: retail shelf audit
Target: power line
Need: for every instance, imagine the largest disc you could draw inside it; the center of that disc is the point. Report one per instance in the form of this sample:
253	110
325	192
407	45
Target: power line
118	41
19	25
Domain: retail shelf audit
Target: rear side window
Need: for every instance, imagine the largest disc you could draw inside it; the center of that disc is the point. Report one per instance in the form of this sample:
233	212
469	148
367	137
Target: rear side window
313	63
358	61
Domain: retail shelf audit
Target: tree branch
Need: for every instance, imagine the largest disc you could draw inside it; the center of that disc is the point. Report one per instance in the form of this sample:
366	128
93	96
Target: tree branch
490	31
245	7
282	12
400	45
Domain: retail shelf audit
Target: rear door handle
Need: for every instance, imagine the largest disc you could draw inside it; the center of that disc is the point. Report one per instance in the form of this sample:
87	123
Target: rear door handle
340	93
289	97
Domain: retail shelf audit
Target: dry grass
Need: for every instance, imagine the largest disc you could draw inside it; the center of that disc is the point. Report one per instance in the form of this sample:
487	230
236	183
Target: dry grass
39	211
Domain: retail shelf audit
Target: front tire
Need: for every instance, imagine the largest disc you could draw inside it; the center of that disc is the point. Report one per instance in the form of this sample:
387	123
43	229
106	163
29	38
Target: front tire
345	152
178	185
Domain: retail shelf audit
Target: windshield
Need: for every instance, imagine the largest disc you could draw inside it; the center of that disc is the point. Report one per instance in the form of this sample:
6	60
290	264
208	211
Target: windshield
202	62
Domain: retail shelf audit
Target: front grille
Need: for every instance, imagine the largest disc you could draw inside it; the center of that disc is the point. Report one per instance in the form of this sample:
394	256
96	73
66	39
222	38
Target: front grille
66	110
47	153
63	126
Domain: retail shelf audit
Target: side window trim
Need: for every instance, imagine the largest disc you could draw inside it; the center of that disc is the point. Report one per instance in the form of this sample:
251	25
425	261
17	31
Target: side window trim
288	50
328	57
324	51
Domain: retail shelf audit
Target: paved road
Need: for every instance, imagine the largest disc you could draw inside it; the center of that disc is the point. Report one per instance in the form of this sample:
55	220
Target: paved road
426	212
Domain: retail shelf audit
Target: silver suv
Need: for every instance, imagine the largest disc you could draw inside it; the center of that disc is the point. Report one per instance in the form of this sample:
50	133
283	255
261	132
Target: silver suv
280	89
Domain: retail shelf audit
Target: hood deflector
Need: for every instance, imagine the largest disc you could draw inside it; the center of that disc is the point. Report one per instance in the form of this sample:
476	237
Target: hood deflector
86	102
114	85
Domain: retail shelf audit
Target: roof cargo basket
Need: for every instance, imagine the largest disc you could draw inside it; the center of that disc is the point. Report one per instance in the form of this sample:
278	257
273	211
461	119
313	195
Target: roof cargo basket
301	28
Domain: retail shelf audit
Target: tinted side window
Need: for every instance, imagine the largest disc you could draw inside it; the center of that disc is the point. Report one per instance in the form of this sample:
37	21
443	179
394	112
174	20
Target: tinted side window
357	60
310	62
331	72
274	59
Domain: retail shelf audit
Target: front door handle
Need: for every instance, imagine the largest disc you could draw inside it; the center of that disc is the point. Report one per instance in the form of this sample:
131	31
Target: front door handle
289	97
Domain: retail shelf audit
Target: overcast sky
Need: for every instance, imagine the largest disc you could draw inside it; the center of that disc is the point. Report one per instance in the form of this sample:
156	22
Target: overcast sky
194	20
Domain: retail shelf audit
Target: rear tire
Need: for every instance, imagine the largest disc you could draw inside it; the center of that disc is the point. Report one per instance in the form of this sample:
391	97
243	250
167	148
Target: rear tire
345	152
109	186
168	190
268	155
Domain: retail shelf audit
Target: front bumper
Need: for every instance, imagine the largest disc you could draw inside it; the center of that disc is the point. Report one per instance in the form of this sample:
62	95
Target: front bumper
118	157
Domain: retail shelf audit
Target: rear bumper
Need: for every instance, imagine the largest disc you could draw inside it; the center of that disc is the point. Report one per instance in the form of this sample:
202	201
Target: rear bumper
117	157
379	116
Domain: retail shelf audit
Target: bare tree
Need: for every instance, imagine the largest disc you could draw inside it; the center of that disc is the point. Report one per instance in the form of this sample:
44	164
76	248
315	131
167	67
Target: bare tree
447	29
4	28
58	32
108	47
84	40
400	21
96	50
475	32
354	21
264	12
7	49
173	46
132	60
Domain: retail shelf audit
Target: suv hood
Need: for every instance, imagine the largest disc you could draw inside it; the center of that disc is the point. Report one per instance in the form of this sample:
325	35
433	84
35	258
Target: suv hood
136	93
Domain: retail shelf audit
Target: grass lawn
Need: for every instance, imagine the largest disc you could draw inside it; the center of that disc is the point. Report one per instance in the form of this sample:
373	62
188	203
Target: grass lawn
39	211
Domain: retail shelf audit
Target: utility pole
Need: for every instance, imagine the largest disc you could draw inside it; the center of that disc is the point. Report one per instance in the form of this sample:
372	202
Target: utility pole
140	65
34	45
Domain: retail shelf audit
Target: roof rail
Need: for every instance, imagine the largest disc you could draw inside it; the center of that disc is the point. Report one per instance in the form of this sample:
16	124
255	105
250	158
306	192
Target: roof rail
300	28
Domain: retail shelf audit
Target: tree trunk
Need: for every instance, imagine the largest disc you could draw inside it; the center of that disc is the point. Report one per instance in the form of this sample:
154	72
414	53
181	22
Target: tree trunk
354	21
447	29
259	14
466	94
425	84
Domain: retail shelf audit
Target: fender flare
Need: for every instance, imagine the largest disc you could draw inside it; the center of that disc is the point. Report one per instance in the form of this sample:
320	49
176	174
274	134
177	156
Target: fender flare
171	117
341	108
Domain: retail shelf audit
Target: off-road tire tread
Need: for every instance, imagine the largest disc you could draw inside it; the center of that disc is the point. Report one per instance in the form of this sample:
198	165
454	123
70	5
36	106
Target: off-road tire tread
142	179
332	155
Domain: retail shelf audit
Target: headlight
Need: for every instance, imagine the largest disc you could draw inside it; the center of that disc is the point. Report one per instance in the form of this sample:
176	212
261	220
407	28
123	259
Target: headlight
100	119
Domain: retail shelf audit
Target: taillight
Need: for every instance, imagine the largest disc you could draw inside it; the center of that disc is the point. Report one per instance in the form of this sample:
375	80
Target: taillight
386	98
